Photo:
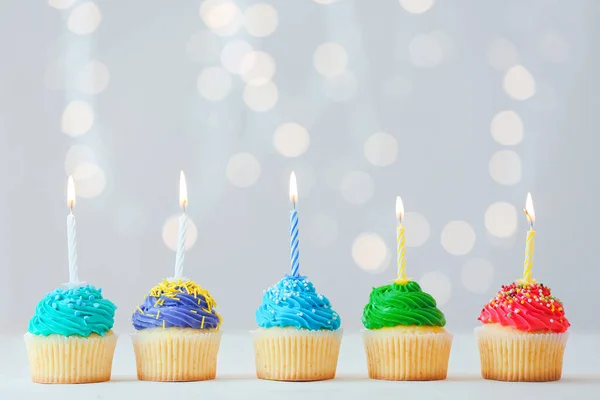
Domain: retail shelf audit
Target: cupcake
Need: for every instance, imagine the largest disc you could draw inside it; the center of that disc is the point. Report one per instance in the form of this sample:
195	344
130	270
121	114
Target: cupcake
405	339
70	337
177	336
298	336
524	334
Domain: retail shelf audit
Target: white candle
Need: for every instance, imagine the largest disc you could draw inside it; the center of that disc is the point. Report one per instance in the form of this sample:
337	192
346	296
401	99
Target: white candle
181	237
72	235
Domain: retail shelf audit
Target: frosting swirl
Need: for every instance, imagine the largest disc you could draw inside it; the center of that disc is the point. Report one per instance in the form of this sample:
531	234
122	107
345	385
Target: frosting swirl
79	311
527	307
182	304
293	302
401	304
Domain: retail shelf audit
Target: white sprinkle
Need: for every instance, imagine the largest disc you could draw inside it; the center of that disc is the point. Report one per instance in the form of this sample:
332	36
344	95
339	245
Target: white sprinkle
299	314
313	310
329	322
529	300
551	320
552	301
547	304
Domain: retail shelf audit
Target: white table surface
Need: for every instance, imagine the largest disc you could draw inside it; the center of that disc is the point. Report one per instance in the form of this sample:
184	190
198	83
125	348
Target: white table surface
236	379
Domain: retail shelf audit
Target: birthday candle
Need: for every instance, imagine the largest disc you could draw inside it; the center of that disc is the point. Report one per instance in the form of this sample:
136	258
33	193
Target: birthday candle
72	234
294	242
182	235
530	243
401	241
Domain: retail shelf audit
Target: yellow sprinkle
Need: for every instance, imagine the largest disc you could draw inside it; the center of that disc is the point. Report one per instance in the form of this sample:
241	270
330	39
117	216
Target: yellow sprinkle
207	311
163	324
194	311
140	310
198	301
158	314
150	315
202	325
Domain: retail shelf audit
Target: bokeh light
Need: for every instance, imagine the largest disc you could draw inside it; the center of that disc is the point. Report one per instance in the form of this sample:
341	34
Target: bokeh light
61	4
84	19
257	68
243	170
519	83
90	180
458	238
381	149
77	118
417	229
501	219
76	155
93	78
223	17
416	6
261	97
370	252
233	54
170	232
214	83
260	19
330	59
291	139
507	128
505	167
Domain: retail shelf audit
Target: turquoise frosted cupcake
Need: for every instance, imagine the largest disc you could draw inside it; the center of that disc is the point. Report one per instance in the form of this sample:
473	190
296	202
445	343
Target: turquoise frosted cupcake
298	336
70	337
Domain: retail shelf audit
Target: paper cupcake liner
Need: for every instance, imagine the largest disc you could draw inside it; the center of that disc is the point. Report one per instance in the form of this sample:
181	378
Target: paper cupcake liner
510	355
70	359
407	355
289	354
175	354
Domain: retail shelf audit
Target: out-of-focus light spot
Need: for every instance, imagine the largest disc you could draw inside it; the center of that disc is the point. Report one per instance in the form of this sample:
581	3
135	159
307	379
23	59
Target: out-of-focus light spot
341	87
291	139
84	19
257	68
425	51
89	180
326	1
261	19
170	232
203	47
501	219
61	4
553	47
477	275
416	6
370	252
261	97
507	128
77	118
519	83
233	54
330	59
502	54
357	187
243	170
458	238
93	78
438	285
323	230
223	17
76	155
214	83
417	229
381	149
505	167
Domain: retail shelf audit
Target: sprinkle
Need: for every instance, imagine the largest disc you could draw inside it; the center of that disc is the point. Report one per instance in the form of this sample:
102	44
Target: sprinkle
202	324
509	315
299	314
529	300
77	313
57	297
164	324
560	308
551	320
158	314
329	322
91	298
313	310
194	311
96	305
517	311
70	305
140	310
54	305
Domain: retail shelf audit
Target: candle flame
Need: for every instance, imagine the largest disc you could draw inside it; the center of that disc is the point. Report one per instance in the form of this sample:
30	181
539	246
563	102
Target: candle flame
293	189
399	208
529	211
71	193
183	198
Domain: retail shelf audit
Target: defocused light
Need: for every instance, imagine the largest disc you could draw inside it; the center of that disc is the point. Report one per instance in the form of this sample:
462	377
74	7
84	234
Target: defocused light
381	149
501	219
291	139
416	6
507	128
261	97
257	68
90	180
458	238
233	54
417	229
330	59
171	229
223	17
93	78
260	20
61	4
505	167
519	83
370	252
84	19
214	83
77	118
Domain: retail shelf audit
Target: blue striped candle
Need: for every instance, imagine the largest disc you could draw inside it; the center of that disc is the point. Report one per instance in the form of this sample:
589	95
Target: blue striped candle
294	242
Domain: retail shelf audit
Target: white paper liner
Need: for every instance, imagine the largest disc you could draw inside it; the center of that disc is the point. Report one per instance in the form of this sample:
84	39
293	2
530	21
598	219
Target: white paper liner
402	355
176	354
70	359
289	354
511	355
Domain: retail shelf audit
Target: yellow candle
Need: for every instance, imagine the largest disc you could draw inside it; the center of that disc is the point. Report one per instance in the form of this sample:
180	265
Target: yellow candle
530	243
401	242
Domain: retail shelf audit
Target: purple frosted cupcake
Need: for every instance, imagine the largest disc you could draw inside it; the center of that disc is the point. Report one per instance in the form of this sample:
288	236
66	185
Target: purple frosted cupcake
178	334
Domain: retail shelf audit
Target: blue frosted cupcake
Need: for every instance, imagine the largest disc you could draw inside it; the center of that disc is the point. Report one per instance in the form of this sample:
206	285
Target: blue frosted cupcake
70	337
298	336
178	334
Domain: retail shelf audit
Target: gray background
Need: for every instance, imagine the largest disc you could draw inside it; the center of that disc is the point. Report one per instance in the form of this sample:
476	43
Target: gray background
433	81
